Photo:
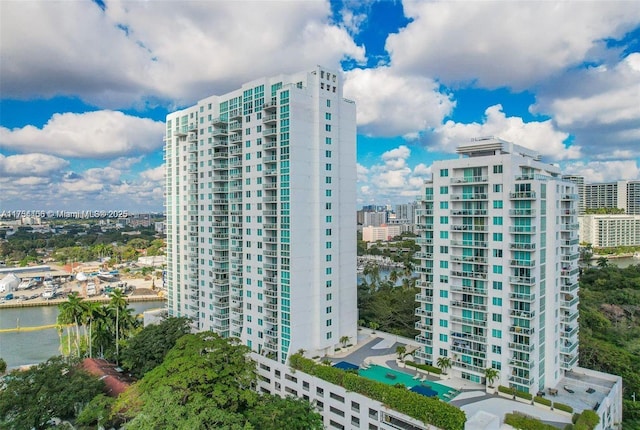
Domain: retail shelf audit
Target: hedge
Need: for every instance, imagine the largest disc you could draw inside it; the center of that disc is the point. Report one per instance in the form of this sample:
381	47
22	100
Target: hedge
562	407
425	367
426	409
523	422
587	419
542	401
523	395
506	390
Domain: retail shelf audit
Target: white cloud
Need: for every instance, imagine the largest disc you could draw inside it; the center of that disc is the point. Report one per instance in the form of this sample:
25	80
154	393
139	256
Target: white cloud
135	51
604	171
100	134
540	136
390	104
31	165
391	179
599	105
496	44
156	174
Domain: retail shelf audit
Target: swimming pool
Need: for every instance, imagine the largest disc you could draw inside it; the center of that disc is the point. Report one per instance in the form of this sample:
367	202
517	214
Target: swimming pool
393	377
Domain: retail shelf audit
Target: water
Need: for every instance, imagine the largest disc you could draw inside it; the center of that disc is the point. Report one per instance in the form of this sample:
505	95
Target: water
620	262
24	348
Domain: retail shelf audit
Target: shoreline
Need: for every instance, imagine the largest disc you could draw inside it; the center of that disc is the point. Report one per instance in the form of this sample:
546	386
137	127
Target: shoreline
55	302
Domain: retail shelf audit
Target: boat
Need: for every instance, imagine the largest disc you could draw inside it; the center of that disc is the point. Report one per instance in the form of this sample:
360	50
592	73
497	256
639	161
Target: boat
28	284
107	276
49	292
91	289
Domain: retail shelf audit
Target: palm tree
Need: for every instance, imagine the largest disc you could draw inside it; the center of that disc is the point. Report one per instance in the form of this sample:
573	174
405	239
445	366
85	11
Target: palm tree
401	351
444	363
344	340
374	326
603	262
393	276
71	312
491	374
92	311
117	303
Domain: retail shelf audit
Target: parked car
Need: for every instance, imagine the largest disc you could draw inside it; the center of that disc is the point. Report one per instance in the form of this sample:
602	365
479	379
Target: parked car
9	296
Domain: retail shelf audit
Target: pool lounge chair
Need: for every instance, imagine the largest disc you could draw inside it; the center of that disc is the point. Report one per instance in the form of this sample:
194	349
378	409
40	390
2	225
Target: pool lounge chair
568	390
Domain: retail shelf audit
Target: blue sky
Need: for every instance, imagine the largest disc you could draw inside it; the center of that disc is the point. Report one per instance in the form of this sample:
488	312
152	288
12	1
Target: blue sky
85	86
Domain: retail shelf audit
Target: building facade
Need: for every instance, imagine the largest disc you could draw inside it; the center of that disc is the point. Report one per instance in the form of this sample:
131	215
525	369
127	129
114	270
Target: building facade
579	181
620	194
260	205
608	231
499	263
383	233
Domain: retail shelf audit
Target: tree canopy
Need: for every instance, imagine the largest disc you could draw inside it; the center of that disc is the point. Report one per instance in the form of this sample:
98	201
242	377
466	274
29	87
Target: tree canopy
206	381
55	388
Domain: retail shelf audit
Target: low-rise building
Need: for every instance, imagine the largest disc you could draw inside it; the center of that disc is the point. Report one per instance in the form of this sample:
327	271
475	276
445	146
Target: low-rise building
607	231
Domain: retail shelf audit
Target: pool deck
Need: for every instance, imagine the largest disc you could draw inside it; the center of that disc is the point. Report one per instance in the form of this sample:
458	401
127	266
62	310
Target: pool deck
379	348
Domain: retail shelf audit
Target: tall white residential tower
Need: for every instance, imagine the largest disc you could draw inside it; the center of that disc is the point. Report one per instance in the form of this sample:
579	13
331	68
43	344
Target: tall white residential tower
499	265
260	201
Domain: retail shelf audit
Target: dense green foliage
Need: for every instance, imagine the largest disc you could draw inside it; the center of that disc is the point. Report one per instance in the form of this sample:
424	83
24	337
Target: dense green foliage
524	422
147	349
610	327
94	329
206	381
426	409
27	245
3	366
424	367
542	401
390	307
604	211
562	407
55	388
97	413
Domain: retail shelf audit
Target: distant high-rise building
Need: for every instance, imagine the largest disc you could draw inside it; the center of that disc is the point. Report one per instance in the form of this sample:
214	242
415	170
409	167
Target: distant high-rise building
375	219
579	181
260	199
604	231
620	194
406	212
499	264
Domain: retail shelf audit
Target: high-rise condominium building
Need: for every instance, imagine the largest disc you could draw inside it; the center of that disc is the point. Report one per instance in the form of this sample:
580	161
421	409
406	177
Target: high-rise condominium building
499	267
620	194
579	181
260	206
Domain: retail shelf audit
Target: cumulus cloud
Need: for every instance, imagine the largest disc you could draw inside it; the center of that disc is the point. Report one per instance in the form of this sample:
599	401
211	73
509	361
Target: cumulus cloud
390	104
540	136
599	105
496	44
604	171
156	174
31	165
200	52
391	179
100	134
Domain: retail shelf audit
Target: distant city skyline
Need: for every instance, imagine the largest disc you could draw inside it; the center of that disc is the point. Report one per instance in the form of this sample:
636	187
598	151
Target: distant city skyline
82	110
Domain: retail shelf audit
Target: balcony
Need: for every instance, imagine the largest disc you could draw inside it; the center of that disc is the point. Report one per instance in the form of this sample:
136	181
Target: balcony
423	313
421	355
468	227
468	305
516	313
523	195
469	243
421	326
469	196
522	246
527	331
522	381
521	347
423	340
569	348
468	351
522	229
474	275
468	259
522	263
522	280
468	179
461	320
522	212
469	212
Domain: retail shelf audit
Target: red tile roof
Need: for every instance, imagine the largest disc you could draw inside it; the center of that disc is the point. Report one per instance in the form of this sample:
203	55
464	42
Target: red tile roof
115	380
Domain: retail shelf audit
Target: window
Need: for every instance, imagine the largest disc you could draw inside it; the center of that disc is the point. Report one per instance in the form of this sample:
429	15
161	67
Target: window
444	190
327	116
444	337
444	205
444	249
497	220
497	253
327	166
444	323
327	154
444	220
327	140
497	169
444	235
497	204
444	294
496	317
444	264
496	349
496	333
497	285
497	301
497	269
444	173
444	309
327	127
497	188
497	237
